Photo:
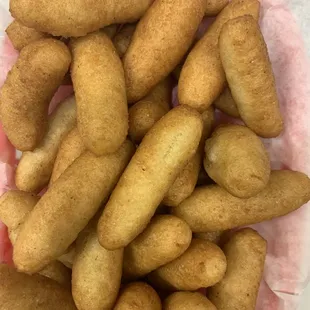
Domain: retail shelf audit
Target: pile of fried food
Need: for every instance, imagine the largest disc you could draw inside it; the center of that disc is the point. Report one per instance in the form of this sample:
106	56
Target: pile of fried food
138	199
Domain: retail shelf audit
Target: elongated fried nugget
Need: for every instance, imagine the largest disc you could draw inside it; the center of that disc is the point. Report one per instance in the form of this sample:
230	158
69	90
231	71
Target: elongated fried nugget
211	208
186	301
226	103
146	112
249	74
28	90
19	291
70	149
163	152
245	252
202	78
21	35
96	273
14	207
102	112
165	238
202	265
66	208
35	167
214	7
161	39
138	296
123	38
236	159
76	18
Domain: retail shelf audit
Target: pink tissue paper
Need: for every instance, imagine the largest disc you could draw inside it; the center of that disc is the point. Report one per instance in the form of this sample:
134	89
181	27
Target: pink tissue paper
287	268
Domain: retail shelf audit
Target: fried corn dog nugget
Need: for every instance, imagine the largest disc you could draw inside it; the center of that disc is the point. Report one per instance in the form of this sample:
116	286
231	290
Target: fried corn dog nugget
202	78
28	90
214	7
236	159
14	207
202	265
246	253
66	208
76	18
211	208
165	238
20	291
123	38
146	112
226	103
102	111
70	149
96	272
35	167
186	301
249	74
138	296
163	152
20	35
161	39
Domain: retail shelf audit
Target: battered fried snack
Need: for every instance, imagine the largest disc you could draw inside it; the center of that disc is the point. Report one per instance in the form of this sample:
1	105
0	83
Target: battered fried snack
214	236
123	38
202	265
28	90
20	35
19	291
245	252
146	112
226	103
35	167
186	181
249	74
14	207
186	301
102	112
211	208
236	159
214	7
96	273
77	18
164	151
202	78
138	296
66	208
165	238
161	39
69	150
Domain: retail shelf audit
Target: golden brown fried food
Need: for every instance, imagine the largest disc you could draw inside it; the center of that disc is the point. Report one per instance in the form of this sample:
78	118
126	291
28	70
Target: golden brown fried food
245	252
102	112
226	103
146	112
161	39
123	38
77	18
20	35
202	265
96	272
19	291
69	150
202	78
249	74
28	90
165	238
67	206
186	301
236	159
163	152
211	208
138	296
35	167
214	7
